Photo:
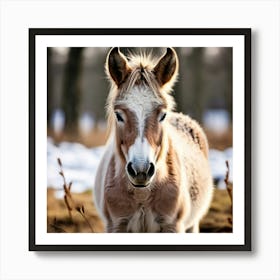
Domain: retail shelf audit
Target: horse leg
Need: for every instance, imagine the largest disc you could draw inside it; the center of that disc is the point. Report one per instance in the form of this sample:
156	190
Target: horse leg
194	228
168	227
109	226
120	226
116	226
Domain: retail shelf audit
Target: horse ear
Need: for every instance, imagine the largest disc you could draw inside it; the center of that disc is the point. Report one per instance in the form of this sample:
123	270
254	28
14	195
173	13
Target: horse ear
167	67
116	65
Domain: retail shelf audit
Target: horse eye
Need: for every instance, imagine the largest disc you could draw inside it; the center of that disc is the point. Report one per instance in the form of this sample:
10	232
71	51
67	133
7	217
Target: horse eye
162	117
119	117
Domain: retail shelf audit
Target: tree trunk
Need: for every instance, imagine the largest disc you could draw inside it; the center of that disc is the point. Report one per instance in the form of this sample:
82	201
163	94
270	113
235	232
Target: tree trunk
72	90
49	85
197	65
227	52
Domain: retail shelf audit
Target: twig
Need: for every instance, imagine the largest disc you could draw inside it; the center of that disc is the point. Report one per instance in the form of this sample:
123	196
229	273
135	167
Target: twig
68	199
67	194
81	210
229	189
56	227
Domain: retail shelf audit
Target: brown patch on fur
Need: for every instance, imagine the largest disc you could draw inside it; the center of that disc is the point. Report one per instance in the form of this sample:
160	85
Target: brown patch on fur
127	132
154	132
172	164
166	197
180	213
108	182
118	201
121	201
194	192
153	128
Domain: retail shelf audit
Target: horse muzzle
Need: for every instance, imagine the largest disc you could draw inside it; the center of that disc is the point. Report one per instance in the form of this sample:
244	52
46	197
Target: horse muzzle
140	173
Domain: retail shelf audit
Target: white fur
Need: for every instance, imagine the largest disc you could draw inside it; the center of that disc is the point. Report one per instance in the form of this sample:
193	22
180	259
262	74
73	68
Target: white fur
141	150
141	100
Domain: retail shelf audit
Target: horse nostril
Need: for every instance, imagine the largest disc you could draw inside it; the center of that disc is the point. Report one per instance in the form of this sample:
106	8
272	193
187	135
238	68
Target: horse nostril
130	170
151	170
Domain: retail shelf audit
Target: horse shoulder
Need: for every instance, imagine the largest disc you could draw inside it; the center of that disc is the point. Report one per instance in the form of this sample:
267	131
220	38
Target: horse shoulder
196	180
171	208
166	199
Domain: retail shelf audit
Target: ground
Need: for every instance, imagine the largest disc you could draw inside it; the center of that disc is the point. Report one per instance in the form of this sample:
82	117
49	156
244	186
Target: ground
218	218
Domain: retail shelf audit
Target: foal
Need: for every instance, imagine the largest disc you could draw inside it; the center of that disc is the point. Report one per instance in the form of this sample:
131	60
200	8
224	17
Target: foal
154	175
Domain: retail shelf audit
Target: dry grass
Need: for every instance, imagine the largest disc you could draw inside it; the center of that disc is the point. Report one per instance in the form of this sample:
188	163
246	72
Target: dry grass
217	219
74	206
219	141
58	216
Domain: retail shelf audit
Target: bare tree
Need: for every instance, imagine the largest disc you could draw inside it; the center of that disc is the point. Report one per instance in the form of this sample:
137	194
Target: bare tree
197	68
72	90
227	65
49	85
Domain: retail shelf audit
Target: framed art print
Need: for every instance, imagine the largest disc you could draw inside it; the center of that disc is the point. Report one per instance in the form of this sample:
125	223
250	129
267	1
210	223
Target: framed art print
140	139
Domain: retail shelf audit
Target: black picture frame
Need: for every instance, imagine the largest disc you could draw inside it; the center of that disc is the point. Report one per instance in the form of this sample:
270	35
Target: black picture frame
246	32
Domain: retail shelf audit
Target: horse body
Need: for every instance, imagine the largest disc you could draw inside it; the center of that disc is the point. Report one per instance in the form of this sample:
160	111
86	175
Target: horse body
154	175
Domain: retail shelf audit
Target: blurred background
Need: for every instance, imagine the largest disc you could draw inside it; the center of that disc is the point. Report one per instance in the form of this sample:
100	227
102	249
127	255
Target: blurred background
77	88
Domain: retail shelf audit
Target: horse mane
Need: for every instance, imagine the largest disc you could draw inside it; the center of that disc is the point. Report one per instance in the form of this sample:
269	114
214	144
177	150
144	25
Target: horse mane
141	73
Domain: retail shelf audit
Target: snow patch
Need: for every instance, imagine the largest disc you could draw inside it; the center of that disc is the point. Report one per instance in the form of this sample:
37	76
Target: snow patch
80	165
